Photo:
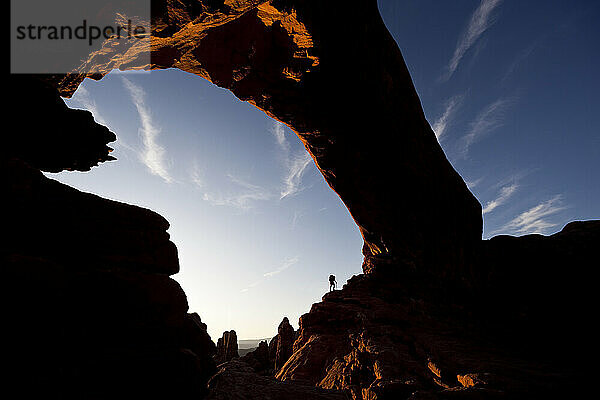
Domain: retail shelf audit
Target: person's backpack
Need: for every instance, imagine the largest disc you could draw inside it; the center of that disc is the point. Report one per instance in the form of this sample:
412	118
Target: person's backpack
331	278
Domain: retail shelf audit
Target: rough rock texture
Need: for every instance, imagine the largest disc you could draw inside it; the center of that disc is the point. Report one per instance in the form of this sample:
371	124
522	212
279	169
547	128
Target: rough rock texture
285	341
51	136
273	347
93	312
259	359
439	314
227	347
235	380
400	335
311	65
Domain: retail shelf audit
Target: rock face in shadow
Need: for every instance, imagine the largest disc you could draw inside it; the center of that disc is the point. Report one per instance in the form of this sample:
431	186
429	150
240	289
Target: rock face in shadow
236	380
93	311
227	347
312	65
400	335
267	358
285	341
56	137
259	359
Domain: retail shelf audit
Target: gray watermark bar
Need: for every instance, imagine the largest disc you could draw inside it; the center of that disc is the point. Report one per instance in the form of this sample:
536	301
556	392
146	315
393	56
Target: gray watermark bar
79	36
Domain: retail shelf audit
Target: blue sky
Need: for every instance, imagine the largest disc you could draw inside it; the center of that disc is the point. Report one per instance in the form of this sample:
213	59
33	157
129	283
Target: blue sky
509	87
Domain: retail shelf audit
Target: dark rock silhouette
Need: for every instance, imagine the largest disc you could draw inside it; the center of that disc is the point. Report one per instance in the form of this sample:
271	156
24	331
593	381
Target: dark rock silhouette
268	358
285	341
227	347
273	347
97	313
51	136
236	380
292	59
389	334
93	312
259	359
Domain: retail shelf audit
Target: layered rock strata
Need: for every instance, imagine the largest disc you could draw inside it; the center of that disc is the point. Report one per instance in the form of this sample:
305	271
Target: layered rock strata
285	341
400	335
93	311
227	347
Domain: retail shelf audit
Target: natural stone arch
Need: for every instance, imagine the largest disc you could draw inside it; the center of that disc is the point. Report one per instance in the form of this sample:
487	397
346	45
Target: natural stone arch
332	72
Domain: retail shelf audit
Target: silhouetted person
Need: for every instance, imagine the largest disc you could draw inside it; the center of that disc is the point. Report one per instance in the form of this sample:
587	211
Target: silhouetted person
332	282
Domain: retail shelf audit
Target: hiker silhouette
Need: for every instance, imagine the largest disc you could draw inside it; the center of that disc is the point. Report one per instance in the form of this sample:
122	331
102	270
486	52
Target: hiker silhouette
332	282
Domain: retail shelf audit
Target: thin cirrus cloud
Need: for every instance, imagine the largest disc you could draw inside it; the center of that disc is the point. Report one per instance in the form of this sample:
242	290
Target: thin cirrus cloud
197	174
505	193
488	120
287	263
536	219
152	154
480	21
295	163
242	199
82	96
441	124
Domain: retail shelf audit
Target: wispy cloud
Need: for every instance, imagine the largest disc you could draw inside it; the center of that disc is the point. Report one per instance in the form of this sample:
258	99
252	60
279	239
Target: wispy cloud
197	174
82	96
480	21
440	125
287	263
489	119
505	193
241	199
296	218
278	131
536	219
250	286
520	60
293	179
295	163
152	154
471	184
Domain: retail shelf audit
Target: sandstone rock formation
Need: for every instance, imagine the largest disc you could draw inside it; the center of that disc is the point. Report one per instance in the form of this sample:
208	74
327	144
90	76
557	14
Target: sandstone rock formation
310	65
438	313
285	341
268	358
235	380
392	334
51	136
259	359
92	311
227	347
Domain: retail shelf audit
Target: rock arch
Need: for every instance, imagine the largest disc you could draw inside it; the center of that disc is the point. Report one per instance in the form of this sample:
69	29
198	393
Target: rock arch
333	73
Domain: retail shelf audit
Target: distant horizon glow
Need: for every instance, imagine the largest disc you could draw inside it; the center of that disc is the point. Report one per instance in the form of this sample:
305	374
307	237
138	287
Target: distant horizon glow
257	227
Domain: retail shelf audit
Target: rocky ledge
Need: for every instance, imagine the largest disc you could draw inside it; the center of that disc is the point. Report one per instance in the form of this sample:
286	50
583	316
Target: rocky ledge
405	335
